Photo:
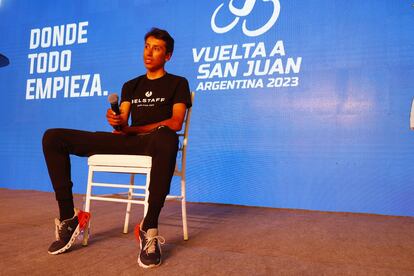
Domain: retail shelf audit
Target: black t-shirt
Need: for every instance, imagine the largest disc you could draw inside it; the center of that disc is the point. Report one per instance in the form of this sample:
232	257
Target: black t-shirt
152	100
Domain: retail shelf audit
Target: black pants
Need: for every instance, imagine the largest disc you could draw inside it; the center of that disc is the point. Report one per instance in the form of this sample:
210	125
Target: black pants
161	145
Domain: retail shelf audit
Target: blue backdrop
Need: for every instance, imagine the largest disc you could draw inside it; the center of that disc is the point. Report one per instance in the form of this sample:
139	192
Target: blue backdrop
299	104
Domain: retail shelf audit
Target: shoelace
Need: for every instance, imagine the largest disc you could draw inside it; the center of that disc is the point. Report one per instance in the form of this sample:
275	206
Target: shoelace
150	244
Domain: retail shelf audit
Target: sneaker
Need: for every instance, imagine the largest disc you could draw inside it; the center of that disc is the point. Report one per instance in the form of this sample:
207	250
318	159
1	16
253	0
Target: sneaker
66	231
149	244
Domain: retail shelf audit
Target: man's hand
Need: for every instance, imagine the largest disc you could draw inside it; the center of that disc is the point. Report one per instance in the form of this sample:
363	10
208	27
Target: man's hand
112	118
119	120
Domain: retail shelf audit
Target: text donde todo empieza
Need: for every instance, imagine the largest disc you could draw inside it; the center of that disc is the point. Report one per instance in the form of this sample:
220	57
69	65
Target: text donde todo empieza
49	64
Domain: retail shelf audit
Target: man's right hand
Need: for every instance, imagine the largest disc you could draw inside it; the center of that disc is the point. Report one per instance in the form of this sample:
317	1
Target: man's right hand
119	120
112	118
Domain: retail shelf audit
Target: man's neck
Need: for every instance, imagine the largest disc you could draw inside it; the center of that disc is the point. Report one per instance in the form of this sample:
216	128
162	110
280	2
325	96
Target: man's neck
156	74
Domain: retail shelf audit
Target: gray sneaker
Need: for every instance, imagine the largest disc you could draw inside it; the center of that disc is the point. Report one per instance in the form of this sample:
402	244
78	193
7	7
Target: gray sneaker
150	247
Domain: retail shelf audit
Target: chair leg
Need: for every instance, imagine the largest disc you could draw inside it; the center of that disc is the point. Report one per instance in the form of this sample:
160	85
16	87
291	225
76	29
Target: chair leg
86	234
184	214
88	206
184	210
128	209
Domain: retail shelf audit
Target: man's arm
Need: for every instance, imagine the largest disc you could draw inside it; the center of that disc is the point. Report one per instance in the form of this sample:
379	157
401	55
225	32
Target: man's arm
174	123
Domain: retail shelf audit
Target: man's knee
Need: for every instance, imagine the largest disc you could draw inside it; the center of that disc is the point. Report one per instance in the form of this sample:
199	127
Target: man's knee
50	136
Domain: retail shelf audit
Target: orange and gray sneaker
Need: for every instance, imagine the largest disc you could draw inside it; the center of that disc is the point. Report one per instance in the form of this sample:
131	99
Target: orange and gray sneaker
67	231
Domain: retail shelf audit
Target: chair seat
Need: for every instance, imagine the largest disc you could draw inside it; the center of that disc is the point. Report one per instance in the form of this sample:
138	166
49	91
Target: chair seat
120	160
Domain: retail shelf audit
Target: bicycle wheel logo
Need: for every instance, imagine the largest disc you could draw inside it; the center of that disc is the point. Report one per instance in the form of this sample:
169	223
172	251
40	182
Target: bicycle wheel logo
242	12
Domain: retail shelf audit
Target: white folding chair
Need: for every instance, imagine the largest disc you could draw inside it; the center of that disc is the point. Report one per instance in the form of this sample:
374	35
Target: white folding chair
136	164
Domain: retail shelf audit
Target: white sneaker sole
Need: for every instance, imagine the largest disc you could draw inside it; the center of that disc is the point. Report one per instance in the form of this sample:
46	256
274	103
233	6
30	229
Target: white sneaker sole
147	266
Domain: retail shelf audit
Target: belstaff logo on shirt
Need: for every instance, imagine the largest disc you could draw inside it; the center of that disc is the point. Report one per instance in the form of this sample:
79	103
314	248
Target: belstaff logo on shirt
148	101
152	100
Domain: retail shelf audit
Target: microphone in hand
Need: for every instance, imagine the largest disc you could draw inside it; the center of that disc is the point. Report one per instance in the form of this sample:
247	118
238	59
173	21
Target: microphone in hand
113	100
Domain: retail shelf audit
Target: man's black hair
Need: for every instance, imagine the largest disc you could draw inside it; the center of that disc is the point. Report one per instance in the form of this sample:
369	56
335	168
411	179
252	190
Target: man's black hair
163	35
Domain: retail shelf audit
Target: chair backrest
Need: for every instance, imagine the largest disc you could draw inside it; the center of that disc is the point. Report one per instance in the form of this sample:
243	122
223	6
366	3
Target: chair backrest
183	137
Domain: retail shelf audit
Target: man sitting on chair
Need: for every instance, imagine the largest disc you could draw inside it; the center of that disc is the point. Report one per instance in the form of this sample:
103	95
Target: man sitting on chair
157	103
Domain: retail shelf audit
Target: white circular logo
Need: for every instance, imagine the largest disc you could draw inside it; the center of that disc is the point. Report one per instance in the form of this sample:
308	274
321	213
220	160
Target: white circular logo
244	11
148	94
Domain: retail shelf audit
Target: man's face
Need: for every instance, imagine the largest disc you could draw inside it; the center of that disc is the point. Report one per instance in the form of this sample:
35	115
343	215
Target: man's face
155	55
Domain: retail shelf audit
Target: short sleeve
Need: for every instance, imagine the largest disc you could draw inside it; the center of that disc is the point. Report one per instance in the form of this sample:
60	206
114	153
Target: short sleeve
182	94
126	95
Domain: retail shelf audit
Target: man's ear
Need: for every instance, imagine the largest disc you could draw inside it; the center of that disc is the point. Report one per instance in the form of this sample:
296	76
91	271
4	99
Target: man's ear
168	56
